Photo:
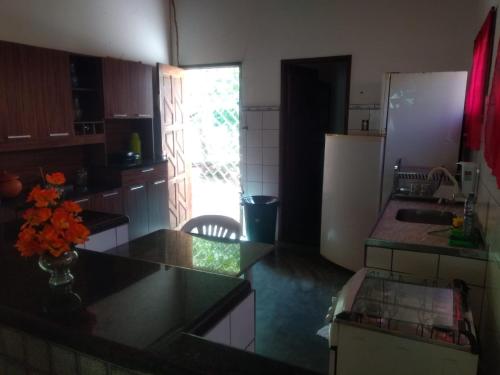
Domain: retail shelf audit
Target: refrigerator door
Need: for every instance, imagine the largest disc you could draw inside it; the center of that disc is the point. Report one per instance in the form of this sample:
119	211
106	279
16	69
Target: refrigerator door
423	122
351	191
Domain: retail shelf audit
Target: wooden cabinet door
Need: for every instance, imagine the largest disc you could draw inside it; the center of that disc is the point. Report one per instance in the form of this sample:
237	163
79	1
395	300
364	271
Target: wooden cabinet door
158	205
143	95
17	116
85	202
35	94
109	202
173	147
55	108
136	208
116	84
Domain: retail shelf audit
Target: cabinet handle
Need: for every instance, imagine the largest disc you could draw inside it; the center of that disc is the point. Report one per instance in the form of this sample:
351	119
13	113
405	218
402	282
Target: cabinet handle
147	170
143	115
120	115
136	187
19	136
107	195
58	134
82	200
159	182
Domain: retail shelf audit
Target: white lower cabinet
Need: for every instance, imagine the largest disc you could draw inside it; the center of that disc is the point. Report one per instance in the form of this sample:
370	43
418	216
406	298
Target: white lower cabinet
237	329
418	264
107	239
377	257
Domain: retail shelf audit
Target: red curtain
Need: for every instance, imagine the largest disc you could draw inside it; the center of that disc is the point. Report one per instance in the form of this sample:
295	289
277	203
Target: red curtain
492	125
478	83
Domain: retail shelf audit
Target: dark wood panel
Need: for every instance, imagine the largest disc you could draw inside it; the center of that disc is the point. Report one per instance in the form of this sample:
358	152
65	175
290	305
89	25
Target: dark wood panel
158	204
116	83
109	201
136	208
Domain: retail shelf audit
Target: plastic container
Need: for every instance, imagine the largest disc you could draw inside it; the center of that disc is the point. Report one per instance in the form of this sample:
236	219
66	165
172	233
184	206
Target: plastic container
260	217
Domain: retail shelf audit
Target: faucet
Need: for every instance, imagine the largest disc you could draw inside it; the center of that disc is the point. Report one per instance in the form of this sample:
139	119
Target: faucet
446	191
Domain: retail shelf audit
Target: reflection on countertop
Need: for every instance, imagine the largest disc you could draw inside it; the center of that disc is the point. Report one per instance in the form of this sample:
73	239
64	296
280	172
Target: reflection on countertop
392	233
184	250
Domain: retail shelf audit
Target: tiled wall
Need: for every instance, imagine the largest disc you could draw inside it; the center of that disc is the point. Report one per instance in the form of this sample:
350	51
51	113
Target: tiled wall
359	112
23	354
259	149
488	211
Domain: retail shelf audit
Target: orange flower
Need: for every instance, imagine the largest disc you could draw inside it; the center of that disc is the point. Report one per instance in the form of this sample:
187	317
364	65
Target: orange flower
37	216
62	219
77	233
51	226
27	243
71	206
43	197
56	178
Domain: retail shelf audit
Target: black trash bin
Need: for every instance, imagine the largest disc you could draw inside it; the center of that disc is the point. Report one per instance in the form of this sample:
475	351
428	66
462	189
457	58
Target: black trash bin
260	217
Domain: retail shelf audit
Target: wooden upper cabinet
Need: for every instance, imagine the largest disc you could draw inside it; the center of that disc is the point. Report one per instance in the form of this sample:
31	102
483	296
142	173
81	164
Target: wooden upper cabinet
128	90
35	94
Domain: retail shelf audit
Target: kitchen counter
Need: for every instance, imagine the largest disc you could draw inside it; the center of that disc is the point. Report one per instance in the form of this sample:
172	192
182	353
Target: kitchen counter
136	314
184	250
392	233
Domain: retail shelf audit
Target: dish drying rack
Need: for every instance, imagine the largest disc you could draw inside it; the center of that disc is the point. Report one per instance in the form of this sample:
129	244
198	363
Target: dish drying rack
413	182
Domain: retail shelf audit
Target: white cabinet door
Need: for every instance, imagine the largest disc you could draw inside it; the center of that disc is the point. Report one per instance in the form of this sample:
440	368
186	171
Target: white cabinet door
221	333
414	263
102	241
243	323
377	257
471	271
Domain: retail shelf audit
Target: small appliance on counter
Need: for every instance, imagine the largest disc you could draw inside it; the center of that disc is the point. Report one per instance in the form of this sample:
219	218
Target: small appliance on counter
124	159
391	323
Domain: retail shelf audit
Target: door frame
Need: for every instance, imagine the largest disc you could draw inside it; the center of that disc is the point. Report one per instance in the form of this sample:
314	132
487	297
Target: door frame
285	64
238	64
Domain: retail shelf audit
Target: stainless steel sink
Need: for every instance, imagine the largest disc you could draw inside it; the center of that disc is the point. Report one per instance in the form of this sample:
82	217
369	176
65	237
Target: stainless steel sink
425	216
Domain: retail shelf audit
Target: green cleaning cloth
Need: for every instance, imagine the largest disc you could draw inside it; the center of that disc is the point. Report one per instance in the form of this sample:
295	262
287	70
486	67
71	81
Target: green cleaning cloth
458	239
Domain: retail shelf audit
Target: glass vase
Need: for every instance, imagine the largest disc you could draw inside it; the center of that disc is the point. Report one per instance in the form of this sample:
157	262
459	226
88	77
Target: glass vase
59	268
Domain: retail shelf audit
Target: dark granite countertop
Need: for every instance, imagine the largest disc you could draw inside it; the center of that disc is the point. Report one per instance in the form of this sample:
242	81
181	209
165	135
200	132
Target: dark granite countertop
184	250
142	164
137	314
395	234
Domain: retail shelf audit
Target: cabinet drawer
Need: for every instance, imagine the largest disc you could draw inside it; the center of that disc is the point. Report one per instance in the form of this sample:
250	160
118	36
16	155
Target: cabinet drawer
377	257
221	333
470	270
143	174
414	263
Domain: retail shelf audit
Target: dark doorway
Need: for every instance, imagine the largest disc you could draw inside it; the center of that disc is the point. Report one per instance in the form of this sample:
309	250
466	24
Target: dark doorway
314	101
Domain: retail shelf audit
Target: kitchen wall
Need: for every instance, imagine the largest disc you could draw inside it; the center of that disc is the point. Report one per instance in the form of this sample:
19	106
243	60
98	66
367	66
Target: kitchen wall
129	29
488	210
381	36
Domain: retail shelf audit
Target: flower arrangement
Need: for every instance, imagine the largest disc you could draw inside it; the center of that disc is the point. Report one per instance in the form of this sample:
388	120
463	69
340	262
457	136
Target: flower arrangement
52	226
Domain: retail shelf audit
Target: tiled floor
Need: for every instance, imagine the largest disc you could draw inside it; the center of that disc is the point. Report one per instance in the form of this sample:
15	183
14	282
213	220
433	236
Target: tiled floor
294	291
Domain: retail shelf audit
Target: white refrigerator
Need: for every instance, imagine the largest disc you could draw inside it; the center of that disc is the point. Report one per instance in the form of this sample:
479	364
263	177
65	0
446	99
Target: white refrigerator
421	123
351	189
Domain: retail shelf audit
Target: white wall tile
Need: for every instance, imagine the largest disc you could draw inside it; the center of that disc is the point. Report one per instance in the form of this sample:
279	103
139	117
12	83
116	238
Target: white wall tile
270	189
243	155
270	156
254	188
243	138
271	120
254	120
243	171
254	155
270	138
254	138
270	173
254	173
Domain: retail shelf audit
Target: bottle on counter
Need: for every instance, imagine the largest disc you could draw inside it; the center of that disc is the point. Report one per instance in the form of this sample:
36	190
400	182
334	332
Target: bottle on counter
135	144
468	225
